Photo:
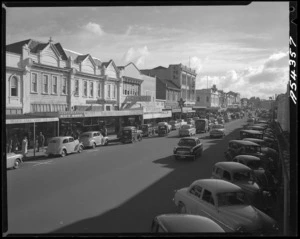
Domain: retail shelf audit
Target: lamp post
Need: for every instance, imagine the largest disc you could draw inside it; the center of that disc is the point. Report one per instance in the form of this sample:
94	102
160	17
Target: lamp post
181	104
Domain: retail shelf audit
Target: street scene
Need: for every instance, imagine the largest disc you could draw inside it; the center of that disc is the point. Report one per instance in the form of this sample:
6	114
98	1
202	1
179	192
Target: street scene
118	125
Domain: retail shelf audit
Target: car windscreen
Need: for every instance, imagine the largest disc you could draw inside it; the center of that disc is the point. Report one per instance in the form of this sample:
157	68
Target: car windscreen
187	142
232	199
218	126
200	123
126	132
185	126
243	176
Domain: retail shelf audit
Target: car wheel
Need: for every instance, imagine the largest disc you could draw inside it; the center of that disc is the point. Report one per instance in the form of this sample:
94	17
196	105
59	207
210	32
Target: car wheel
17	163
94	145
181	208
80	149
63	153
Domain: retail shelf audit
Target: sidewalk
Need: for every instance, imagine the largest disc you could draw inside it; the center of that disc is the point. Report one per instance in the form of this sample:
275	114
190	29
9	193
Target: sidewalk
42	153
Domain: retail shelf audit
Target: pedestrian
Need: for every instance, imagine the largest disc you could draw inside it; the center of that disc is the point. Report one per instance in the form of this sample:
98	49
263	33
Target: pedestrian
25	146
104	131
41	142
9	145
15	144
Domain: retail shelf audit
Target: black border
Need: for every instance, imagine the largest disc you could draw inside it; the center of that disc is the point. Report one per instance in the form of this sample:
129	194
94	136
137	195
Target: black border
293	107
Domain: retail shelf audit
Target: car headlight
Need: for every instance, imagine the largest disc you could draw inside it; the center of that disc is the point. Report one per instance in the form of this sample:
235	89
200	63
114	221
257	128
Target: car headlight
191	150
174	150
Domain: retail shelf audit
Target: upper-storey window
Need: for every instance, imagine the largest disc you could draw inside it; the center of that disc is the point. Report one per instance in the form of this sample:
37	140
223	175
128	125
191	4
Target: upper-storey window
54	84
45	83
64	85
85	88
99	90
14	86
76	88
34	82
91	89
108	91
113	91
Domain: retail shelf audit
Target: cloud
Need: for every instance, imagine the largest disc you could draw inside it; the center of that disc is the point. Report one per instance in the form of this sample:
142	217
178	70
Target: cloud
136	55
196	64
279	60
94	28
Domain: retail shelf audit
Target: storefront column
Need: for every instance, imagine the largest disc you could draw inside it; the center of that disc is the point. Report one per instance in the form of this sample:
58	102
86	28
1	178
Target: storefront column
34	140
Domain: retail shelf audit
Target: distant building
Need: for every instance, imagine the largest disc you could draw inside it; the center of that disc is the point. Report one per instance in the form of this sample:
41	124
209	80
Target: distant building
266	104
244	102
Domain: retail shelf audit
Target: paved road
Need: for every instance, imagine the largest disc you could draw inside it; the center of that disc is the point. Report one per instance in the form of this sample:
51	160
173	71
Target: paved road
116	189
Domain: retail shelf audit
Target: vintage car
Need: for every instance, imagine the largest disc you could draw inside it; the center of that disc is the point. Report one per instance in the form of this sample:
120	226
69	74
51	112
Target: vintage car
263	177
271	142
163	129
13	160
148	130
220	120
188	147
250	121
251	134
202	125
184	223
130	134
226	204
190	121
187	130
169	127
265	147
217	130
63	145
174	124
93	139
243	176
257	128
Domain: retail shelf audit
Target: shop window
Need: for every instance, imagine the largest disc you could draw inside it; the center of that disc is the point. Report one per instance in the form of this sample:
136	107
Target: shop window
64	85
54	85
14	86
114	91
198	99
108	91
107	108
91	89
45	84
207	99
34	82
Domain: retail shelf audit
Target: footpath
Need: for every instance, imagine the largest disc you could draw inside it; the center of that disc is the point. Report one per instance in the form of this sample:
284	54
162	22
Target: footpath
31	155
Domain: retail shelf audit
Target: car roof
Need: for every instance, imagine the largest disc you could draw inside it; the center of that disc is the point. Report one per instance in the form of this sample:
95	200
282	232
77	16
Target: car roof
188	223
247	157
251	131
191	137
217	185
244	142
253	139
89	132
233	166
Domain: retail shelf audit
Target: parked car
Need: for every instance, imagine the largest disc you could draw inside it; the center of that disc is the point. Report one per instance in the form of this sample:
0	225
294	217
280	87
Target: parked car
93	139
217	130
226	204
250	121
243	176
184	223
174	124
13	160
251	134
269	151
187	130
202	125
148	130
257	128
220	120
263	177
63	145
188	147
190	121
131	134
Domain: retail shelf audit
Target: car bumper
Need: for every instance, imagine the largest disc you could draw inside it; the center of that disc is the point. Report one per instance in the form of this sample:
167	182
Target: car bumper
184	155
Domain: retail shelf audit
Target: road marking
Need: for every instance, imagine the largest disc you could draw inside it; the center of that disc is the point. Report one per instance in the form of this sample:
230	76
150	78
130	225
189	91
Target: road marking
48	162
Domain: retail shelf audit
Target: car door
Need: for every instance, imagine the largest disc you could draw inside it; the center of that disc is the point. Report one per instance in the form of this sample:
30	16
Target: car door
207	205
194	195
96	138
10	160
71	145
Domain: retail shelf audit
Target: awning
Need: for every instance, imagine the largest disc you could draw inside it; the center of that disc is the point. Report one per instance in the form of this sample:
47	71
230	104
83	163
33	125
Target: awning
30	120
164	114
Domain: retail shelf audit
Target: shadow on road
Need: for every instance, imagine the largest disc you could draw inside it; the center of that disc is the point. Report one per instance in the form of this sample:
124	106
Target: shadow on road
155	199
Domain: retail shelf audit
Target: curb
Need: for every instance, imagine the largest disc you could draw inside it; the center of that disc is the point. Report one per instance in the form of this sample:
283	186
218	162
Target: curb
32	158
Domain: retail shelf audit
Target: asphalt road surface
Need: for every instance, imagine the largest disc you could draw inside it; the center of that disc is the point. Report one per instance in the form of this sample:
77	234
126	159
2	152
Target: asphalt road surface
117	188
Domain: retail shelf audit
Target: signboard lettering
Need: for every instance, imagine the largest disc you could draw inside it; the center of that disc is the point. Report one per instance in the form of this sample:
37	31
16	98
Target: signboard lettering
138	98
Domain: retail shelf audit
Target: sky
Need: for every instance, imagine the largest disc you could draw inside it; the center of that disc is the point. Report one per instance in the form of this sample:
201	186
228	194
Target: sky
238	48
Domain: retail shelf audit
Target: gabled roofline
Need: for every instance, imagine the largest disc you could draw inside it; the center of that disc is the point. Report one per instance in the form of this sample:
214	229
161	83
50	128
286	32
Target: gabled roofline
134	66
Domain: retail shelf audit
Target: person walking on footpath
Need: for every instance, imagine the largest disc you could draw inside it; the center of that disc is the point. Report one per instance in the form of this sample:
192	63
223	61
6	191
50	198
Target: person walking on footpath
25	146
41	142
15	144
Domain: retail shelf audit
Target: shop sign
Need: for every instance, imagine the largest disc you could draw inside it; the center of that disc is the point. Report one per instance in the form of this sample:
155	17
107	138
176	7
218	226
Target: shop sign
72	115
30	120
101	101
145	98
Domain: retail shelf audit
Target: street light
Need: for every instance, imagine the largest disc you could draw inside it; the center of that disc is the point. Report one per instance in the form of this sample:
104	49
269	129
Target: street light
181	104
